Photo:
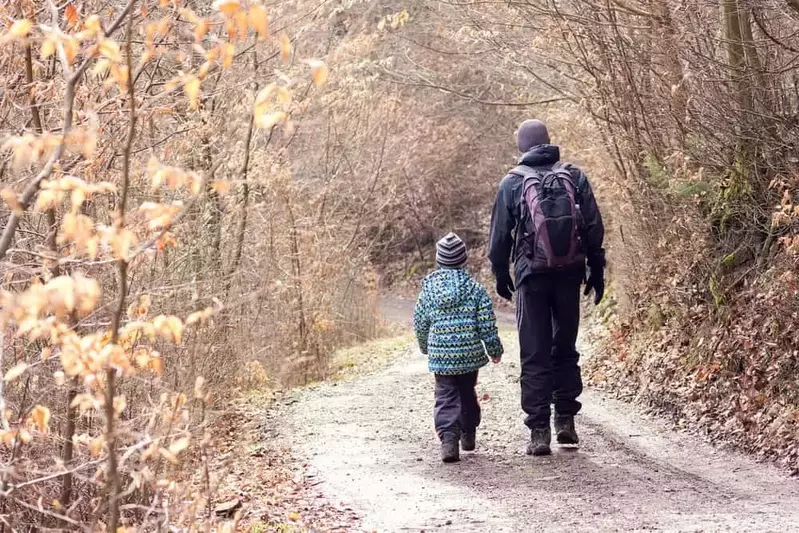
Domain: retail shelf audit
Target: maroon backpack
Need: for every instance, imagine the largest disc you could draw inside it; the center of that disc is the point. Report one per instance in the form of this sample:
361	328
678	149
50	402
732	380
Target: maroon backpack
551	218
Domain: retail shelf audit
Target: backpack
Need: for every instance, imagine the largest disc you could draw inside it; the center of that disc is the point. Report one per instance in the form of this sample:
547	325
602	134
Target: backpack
551	219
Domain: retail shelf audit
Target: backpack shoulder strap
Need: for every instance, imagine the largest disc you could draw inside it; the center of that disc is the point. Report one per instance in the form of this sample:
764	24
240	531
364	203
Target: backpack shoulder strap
525	172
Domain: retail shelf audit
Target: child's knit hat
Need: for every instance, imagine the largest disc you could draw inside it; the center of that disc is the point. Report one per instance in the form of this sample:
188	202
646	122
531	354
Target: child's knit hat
451	252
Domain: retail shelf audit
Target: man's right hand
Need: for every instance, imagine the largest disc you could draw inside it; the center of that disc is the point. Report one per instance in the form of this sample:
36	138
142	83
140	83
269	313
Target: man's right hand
505	286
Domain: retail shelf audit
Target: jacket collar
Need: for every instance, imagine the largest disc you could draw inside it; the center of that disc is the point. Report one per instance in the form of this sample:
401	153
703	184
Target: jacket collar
540	156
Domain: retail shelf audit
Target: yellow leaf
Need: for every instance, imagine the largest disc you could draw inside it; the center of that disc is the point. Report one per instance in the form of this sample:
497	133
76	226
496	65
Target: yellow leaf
227	7
259	21
110	49
222	186
157	364
40	416
96	446
47	199
49	47
228	52
169	327
294	517
169	456
192	88
189	15
70	47
241	24
319	72
284	97
285	47
200	316
179	445
195	183
15	371
92	26
11	200
201	29
122	242
204	68
120	403
19	29
268	121
71	14
77	198
24	436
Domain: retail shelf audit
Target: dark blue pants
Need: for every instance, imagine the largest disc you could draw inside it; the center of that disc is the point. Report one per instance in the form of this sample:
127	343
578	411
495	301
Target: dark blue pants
548	317
457	410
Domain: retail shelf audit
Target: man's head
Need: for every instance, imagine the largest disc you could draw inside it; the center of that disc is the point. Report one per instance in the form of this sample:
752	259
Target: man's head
451	252
531	133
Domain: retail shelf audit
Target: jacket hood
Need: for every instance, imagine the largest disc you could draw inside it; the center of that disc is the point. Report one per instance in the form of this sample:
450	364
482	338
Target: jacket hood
541	156
447	288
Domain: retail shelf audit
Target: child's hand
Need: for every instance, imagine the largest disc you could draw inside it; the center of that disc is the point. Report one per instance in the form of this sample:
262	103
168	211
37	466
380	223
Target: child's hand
496	360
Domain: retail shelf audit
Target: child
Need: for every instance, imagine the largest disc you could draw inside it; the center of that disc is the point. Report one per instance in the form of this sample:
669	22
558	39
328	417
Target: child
455	326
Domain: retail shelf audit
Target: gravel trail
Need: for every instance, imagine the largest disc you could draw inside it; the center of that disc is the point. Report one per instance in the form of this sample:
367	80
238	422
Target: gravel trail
370	445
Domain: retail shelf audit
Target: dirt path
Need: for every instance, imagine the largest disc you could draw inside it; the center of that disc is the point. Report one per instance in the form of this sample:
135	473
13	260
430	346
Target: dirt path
370	444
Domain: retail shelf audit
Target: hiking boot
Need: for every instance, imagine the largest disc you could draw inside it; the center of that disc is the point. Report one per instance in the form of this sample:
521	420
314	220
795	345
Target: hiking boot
539	442
468	441
564	430
450	453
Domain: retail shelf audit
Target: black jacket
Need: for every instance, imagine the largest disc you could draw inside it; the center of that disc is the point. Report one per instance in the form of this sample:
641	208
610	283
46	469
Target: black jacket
505	218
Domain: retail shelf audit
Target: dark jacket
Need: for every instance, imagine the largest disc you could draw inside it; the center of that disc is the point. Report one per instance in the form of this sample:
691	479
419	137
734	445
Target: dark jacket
505	218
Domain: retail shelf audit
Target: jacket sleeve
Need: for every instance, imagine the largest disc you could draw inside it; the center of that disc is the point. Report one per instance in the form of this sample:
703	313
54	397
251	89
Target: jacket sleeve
421	323
487	325
503	222
594	228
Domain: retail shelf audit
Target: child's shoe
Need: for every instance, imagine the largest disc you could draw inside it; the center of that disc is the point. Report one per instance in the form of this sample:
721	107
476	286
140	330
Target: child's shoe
468	441
450	452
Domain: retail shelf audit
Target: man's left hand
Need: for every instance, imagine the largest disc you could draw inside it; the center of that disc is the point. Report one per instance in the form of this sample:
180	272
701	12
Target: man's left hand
597	283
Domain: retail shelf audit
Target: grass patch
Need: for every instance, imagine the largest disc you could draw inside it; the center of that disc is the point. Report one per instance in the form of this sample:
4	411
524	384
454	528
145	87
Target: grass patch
370	356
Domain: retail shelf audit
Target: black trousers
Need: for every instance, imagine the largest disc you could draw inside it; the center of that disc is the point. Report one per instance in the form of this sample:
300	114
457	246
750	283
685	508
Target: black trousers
457	410
548	317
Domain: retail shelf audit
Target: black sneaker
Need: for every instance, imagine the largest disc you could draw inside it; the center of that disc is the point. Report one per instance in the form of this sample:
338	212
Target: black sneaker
468	441
450	452
564	430
539	442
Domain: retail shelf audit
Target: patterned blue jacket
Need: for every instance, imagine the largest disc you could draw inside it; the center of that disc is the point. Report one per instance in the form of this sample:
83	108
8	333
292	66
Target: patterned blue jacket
455	323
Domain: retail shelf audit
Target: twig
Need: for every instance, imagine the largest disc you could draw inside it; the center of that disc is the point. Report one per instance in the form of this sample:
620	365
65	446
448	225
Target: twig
113	480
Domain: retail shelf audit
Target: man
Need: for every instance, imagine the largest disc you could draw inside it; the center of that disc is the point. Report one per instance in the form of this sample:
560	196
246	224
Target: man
550	242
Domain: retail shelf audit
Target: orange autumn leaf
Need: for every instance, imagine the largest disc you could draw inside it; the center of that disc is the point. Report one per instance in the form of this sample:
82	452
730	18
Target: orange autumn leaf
222	187
40	416
227	7
192	88
71	14
259	21
285	47
319	72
